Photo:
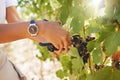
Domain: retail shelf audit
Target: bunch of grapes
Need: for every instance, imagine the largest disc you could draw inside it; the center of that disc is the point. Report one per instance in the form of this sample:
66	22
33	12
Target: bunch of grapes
77	42
81	46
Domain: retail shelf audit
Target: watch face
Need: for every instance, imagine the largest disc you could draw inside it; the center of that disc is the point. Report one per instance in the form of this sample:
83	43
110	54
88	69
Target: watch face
33	29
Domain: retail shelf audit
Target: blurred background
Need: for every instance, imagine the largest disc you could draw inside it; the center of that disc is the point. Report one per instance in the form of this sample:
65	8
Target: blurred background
23	54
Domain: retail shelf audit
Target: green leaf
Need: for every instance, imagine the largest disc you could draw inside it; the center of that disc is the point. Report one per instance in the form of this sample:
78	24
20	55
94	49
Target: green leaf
97	55
73	52
77	65
117	15
112	42
65	10
109	10
61	74
82	76
107	73
61	1
45	54
102	20
65	61
77	24
93	27
90	77
91	45
64	14
77	11
106	31
93	30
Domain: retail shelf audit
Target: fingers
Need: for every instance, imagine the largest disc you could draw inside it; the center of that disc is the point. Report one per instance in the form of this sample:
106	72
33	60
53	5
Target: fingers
69	41
54	55
57	36
65	42
63	45
60	23
59	47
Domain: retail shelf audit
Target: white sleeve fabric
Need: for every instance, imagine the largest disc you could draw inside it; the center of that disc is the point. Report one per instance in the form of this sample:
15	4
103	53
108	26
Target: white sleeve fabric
11	3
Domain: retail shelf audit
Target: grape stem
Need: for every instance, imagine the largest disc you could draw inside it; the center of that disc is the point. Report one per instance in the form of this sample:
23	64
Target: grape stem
104	60
84	32
90	65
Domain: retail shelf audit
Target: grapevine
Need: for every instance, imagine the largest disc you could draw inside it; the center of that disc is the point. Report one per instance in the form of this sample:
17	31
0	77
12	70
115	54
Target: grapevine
89	58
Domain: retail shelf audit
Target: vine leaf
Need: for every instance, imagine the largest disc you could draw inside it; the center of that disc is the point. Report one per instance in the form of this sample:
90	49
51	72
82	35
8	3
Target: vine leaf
60	1
97	56
65	61
77	24
65	10
91	46
112	42
42	50
64	14
61	74
77	65
107	73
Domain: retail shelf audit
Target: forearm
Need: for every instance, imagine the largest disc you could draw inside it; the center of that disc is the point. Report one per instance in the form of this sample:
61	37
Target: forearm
12	15
48	31
13	31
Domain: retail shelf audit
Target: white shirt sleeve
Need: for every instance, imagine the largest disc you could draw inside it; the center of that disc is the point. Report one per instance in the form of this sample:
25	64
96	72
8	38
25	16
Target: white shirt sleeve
11	3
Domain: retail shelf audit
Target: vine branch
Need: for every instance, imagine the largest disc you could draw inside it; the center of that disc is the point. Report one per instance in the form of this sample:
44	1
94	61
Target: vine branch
90	65
84	32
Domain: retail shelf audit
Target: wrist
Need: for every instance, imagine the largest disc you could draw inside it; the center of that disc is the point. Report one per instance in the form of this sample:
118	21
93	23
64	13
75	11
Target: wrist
33	28
37	28
41	26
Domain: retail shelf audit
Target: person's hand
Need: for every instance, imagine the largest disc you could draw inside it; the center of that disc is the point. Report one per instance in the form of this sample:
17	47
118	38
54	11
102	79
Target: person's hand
54	33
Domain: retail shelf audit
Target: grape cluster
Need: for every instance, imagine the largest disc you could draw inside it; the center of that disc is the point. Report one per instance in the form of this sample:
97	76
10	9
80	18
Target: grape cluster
77	42
81	46
98	67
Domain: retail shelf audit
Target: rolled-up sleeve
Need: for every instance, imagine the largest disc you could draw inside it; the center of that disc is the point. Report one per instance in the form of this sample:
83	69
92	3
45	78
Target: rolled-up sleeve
11	3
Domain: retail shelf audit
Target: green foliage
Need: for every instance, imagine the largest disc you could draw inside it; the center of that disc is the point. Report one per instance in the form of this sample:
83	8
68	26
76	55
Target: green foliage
39	9
84	20
42	51
111	47
65	10
61	74
108	73
97	56
76	24
65	61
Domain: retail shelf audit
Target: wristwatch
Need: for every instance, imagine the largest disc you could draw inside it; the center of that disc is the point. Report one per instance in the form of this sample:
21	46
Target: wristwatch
33	28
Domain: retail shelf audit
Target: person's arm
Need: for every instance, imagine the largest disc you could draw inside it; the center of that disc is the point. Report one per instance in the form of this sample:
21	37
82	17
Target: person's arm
12	15
51	31
13	31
